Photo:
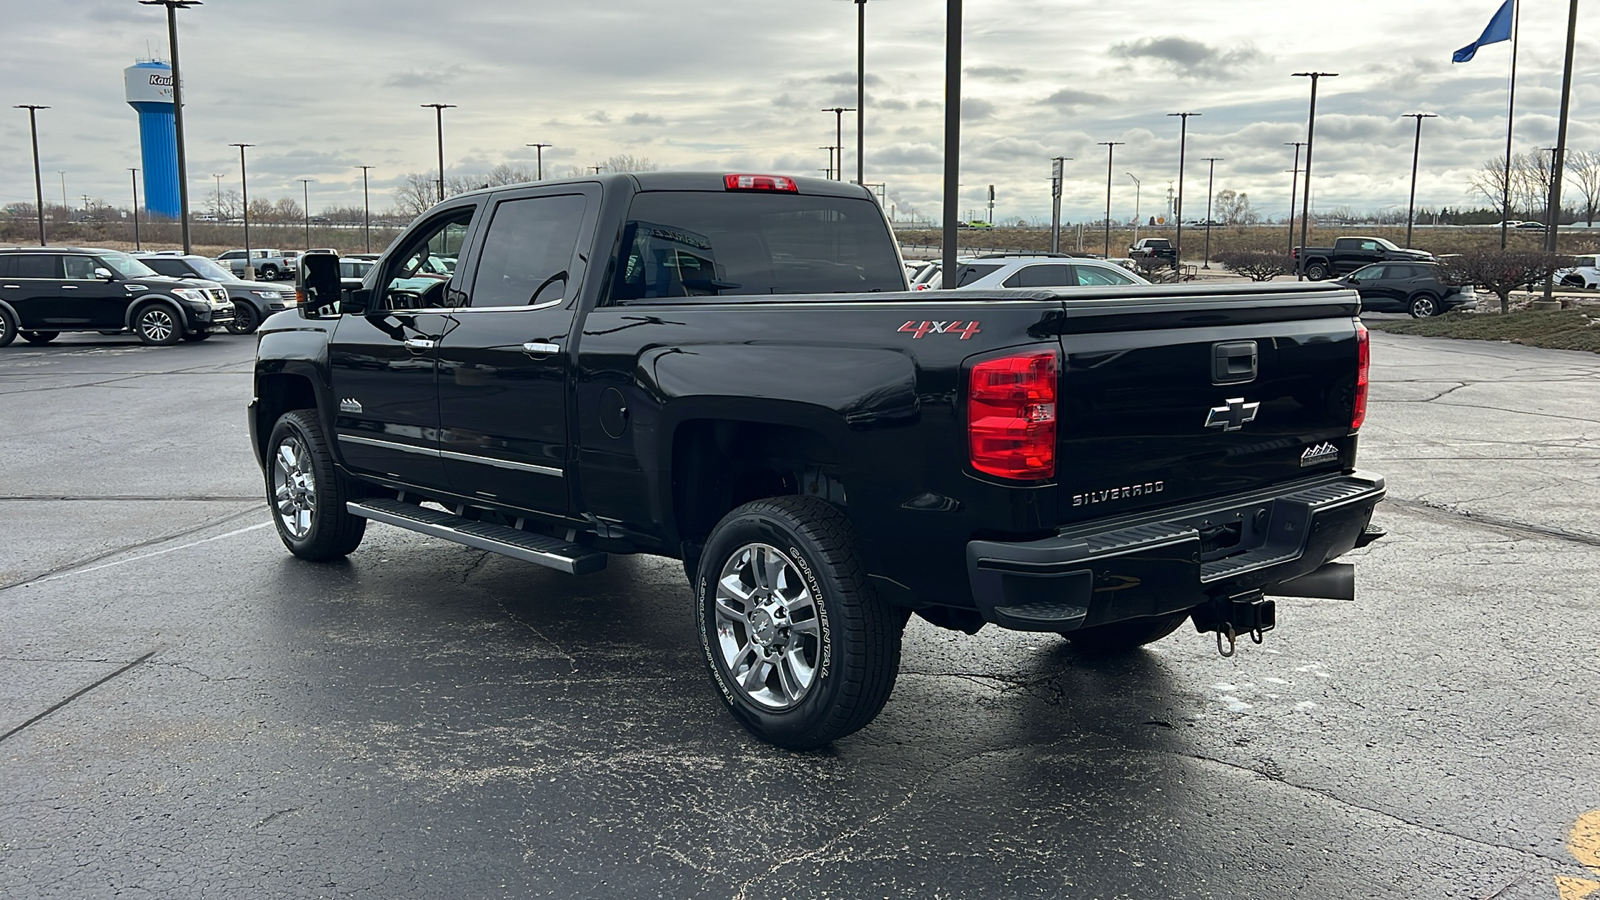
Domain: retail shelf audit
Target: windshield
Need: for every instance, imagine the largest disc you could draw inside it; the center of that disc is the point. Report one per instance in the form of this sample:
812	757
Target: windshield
1386	244
127	265
205	268
716	244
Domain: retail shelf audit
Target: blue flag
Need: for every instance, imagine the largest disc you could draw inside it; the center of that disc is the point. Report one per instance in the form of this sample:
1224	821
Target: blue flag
1499	29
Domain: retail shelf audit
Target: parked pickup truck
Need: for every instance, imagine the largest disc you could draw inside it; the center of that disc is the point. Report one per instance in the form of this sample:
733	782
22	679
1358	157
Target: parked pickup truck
1158	248
729	370
269	265
1351	253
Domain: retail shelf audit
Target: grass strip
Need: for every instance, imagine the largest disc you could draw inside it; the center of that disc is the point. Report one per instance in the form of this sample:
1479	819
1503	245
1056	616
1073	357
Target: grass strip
1556	329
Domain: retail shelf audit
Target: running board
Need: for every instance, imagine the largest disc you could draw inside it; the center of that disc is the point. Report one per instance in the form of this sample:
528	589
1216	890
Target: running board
515	543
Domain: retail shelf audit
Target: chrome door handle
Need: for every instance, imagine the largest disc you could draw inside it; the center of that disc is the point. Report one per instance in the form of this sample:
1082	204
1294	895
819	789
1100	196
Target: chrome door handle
13	287
420	344
69	287
537	348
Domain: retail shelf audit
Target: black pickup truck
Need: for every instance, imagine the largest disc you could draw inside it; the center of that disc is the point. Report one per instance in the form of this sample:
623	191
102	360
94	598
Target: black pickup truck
729	370
1351	253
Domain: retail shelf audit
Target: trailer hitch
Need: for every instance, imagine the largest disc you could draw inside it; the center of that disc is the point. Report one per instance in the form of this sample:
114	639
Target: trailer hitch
1247	613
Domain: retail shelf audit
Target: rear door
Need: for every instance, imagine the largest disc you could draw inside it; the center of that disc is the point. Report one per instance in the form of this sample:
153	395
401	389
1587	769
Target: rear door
33	288
504	369
1200	405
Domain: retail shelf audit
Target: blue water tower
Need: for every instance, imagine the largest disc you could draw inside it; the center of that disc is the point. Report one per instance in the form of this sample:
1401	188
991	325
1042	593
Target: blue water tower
149	85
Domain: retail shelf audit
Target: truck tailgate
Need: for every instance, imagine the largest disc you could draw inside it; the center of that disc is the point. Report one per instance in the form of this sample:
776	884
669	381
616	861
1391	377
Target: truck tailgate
1170	399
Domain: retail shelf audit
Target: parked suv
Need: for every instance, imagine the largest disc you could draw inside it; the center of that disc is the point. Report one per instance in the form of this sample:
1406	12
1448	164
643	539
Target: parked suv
48	290
1411	287
252	300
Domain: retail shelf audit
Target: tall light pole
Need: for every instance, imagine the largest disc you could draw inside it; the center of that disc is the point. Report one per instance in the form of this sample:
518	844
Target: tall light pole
249	273
952	140
1138	187
838	132
861	90
218	208
1294	185
366	208
305	188
177	108
38	185
1183	144
1056	166
1416	153
538	150
1311	136
64	204
438	116
136	244
830	150
1211	181
1111	149
1556	162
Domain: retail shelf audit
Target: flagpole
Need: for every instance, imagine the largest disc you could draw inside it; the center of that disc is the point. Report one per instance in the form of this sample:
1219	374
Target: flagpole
1511	115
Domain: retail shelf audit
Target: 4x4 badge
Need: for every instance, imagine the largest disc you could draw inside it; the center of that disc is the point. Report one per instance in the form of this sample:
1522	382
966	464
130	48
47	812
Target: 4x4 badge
350	405
1234	416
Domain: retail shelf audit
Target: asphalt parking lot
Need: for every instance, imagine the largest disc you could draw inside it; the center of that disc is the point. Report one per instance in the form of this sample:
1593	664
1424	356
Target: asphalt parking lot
186	710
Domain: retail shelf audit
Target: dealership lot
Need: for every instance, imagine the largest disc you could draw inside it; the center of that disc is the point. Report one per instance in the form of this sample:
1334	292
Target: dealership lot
187	710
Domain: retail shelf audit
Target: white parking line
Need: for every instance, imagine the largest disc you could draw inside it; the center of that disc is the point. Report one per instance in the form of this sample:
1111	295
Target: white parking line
218	537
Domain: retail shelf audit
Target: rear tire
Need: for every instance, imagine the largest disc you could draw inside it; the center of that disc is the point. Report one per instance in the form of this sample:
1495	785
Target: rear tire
270	273
1317	271
157	325
801	648
306	494
1122	637
39	337
1422	306
8	328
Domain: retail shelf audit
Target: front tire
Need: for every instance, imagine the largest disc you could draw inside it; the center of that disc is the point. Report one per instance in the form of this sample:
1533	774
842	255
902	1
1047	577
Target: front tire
1422	306
801	648
1122	637
1316	271
40	337
270	273
245	319
157	325
306	494
8	328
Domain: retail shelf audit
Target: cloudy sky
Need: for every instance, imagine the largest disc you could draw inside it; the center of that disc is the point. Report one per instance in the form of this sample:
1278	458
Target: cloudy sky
738	85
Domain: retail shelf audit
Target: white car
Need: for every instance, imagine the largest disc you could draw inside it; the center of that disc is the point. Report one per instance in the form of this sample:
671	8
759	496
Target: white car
1586	274
1040	270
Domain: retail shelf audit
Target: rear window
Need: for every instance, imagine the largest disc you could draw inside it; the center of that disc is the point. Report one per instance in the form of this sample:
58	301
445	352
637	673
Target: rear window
709	244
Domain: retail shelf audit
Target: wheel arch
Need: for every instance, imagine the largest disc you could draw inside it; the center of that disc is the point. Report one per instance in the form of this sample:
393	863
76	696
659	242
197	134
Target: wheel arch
277	393
162	299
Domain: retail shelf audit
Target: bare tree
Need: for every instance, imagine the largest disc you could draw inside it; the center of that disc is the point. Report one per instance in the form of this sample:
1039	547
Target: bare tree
287	210
1530	183
1584	167
1489	182
261	210
416	194
1502	271
627	162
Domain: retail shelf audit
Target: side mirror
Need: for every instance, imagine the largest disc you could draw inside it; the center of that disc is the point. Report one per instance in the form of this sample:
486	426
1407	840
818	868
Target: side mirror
104	274
319	285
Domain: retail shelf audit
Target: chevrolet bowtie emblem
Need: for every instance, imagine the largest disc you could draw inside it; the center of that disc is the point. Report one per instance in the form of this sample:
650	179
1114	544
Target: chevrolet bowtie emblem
1233	416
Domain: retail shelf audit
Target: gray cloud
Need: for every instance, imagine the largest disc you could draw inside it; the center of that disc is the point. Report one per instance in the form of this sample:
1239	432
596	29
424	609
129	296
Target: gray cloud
411	79
1068	99
1191	57
976	109
640	118
997	73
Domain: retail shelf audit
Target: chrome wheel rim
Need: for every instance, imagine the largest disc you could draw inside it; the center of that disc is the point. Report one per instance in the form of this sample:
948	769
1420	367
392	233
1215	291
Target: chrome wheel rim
157	325
1422	308
768	627
294	487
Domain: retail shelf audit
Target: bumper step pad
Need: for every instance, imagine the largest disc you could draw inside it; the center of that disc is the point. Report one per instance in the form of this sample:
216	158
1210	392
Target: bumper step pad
543	550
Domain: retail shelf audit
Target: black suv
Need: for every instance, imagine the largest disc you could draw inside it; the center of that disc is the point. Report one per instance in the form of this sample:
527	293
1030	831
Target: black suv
1409	287
253	301
48	290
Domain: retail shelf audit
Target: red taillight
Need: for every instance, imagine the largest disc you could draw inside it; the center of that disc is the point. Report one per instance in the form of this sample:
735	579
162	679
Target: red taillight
1011	416
1363	363
760	183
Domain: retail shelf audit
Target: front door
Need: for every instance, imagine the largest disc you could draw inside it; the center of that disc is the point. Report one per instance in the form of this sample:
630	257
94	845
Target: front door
384	362
504	369
101	303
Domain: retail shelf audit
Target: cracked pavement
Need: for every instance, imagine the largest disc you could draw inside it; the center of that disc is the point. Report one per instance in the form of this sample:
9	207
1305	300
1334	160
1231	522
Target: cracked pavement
186	710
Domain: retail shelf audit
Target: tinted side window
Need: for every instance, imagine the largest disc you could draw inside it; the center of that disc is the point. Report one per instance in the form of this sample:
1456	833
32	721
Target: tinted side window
1373	273
8	268
36	265
79	268
1050	275
528	251
176	268
1096	275
972	273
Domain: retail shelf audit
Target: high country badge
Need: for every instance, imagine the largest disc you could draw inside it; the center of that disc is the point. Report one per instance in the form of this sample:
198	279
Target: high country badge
1316	456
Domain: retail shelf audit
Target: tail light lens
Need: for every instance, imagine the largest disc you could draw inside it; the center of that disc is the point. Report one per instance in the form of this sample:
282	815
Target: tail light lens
1011	416
1363	363
759	183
